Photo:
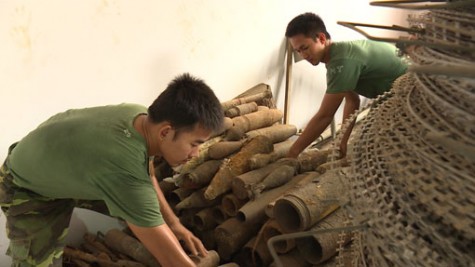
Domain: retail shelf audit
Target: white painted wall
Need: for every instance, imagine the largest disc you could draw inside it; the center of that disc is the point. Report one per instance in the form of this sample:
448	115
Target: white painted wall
61	54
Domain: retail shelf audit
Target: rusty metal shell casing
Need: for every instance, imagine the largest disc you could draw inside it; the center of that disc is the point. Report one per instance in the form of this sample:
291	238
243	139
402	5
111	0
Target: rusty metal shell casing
302	207
241	109
167	187
229	264
253	121
231	204
219	214
210	260
255	94
187	216
233	234
280	150
227	124
197	200
272	228
178	195
320	247
243	182
254	253
224	148
310	159
130	246
293	258
205	219
236	165
279	176
255	209
276	133
200	176
207	238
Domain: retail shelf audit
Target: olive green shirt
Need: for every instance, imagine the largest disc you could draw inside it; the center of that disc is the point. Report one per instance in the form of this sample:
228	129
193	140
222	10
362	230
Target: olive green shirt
90	154
366	67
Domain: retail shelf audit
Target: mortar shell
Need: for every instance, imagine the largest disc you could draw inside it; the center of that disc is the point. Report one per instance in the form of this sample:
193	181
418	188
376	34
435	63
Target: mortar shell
204	219
196	200
254	209
233	234
241	109
210	260
231	204
236	165
223	149
276	133
202	175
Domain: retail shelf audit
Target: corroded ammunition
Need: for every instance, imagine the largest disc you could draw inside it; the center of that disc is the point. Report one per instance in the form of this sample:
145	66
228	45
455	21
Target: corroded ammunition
236	165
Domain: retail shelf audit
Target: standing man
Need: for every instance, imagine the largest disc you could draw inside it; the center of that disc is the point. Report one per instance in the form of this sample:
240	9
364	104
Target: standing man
354	68
100	155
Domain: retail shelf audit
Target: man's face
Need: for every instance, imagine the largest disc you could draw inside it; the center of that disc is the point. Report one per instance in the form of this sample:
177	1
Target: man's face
179	150
308	48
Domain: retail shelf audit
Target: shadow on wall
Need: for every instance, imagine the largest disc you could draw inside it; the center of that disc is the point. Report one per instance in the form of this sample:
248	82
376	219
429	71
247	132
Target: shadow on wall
281	61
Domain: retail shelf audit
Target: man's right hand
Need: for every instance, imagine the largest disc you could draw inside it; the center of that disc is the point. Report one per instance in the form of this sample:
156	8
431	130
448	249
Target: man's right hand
163	245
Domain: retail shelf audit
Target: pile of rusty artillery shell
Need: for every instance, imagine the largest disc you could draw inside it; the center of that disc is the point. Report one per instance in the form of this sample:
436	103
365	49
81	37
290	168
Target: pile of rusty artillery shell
243	191
117	248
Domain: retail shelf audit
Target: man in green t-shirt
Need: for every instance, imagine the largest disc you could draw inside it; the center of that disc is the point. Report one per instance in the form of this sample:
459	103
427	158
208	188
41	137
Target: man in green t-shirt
354	68
99	158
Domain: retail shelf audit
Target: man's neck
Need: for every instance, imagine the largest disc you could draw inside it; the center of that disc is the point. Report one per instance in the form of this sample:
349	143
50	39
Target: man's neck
326	56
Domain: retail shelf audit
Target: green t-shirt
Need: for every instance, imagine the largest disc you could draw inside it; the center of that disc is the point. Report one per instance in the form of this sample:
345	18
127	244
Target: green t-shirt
367	67
90	154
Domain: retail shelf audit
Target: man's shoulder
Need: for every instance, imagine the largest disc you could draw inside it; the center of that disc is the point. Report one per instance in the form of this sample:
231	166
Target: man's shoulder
105	108
125	106
119	109
345	53
353	46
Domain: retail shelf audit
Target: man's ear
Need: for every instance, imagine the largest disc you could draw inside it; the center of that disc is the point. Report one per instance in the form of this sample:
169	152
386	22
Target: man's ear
165	130
322	37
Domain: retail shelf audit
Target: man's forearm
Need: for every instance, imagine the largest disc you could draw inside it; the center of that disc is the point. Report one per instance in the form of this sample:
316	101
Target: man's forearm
163	245
352	105
347	112
167	212
314	128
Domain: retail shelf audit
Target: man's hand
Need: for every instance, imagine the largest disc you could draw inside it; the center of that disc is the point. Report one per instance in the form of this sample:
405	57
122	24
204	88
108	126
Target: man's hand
163	244
194	244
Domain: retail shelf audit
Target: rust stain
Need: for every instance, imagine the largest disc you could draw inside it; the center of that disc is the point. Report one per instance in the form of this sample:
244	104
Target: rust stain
20	31
108	6
106	11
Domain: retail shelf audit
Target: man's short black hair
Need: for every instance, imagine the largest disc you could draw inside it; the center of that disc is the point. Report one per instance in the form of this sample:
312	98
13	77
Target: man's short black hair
186	102
308	24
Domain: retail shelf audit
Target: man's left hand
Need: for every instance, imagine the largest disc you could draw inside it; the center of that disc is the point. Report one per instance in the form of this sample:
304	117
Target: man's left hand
192	243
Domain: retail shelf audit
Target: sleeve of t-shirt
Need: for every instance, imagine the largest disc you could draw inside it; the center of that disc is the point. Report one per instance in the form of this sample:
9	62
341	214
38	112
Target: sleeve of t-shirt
133	200
343	75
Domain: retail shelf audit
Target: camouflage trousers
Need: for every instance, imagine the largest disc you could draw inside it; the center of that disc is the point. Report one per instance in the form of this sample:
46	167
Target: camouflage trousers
37	225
